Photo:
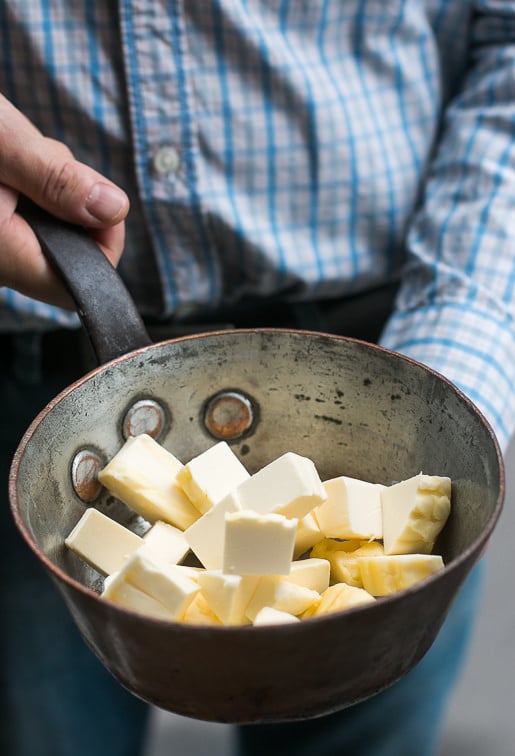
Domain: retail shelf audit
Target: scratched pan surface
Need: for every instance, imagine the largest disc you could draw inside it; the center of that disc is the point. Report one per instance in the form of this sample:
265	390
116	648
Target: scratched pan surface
354	409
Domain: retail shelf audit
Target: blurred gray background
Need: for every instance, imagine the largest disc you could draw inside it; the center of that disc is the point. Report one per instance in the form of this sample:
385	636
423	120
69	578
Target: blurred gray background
481	716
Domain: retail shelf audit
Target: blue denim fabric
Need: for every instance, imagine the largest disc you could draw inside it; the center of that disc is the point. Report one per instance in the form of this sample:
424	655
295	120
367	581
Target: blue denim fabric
405	720
57	699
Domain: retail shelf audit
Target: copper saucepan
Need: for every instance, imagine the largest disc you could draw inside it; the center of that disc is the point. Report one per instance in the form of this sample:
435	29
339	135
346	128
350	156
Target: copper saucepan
352	407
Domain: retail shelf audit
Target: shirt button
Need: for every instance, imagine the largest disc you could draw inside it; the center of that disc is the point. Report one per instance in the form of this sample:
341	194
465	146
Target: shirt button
166	160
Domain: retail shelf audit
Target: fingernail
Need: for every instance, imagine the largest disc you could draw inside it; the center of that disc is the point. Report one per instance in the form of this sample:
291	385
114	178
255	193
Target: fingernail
105	202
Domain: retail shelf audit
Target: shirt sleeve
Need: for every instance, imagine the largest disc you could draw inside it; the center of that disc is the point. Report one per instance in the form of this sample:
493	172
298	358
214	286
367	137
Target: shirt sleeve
456	305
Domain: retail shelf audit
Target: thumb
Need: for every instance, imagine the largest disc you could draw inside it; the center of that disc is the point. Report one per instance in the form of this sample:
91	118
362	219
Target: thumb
46	171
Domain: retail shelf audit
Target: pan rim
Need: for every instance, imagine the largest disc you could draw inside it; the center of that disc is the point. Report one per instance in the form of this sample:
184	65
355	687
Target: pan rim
471	554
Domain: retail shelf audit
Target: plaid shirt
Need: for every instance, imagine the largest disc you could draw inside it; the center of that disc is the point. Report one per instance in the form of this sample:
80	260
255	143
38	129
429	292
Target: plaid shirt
297	149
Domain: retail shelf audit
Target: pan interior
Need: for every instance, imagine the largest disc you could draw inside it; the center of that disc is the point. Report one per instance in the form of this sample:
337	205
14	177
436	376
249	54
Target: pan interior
352	408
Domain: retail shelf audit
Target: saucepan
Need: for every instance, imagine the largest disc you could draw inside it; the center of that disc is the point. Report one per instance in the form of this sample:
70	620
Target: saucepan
352	407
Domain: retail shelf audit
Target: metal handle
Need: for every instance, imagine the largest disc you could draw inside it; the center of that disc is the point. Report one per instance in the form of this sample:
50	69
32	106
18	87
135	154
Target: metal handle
104	305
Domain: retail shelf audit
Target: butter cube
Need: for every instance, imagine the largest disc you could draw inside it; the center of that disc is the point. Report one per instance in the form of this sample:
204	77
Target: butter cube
102	542
117	590
270	616
414	513
352	509
166	542
311	573
344	556
338	597
383	575
190	571
308	534
228	595
289	485
327	546
206	537
258	544
207	478
281	594
200	613
163	582
143	475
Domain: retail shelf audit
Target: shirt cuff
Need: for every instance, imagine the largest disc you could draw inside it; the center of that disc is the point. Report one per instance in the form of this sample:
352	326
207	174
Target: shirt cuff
470	347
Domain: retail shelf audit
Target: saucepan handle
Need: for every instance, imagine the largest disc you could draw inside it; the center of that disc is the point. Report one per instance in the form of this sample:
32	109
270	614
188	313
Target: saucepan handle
104	305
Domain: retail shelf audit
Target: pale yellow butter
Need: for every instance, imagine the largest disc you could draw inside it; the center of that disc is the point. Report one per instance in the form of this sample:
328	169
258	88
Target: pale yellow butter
414	513
208	477
281	594
258	544
290	485
337	598
308	534
117	590
270	616
190	571
250	533
352	509
227	595
383	575
200	613
143	475
165	583
166	542
206	537
311	573
102	542
343	557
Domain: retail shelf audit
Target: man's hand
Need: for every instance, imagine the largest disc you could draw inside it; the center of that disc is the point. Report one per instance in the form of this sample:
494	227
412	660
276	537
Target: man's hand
46	172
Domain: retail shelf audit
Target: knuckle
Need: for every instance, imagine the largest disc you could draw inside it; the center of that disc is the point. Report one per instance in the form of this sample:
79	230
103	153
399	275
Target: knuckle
60	149
60	178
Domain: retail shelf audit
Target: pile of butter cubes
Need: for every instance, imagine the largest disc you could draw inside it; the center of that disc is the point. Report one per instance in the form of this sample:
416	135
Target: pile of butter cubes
273	547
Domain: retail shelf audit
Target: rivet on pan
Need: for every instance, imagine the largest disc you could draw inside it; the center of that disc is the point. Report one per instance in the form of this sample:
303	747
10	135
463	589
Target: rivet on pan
228	415
85	468
145	416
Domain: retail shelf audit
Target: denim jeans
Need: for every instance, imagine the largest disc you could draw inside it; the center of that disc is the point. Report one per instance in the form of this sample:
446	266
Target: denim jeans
58	700
404	720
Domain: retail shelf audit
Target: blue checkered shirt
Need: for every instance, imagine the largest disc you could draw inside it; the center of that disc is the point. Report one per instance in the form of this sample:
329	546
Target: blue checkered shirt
298	149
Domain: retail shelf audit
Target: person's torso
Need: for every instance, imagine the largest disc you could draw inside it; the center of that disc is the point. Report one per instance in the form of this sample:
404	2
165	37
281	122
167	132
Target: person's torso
268	148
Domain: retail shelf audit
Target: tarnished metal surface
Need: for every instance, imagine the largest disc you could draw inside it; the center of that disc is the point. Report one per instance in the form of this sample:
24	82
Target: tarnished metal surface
144	416
229	415
86	465
354	409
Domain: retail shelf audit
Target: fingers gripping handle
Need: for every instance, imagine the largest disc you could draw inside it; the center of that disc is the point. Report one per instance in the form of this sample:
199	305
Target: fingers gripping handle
104	305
